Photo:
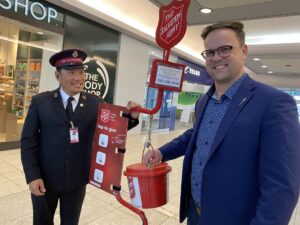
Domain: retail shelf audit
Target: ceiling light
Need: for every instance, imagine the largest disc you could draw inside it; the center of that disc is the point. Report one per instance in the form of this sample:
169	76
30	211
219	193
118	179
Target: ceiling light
205	10
270	71
263	66
256	59
40	32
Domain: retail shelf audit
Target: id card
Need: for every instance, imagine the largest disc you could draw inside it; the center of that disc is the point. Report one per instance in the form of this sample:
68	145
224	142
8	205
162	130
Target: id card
74	136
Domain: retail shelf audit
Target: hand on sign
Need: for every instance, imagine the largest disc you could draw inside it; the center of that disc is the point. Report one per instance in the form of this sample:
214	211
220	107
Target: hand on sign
134	114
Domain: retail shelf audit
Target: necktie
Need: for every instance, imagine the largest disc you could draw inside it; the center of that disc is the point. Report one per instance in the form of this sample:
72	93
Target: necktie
69	108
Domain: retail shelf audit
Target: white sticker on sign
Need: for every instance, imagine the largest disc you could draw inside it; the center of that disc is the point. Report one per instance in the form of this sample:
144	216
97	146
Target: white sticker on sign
168	76
100	158
103	140
98	176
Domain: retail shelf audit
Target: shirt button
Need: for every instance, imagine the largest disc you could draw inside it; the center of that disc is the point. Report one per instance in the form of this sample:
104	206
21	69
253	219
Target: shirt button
206	143
196	184
210	122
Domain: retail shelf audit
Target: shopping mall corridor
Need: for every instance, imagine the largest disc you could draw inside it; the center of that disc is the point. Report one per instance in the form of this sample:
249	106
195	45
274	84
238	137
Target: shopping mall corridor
100	208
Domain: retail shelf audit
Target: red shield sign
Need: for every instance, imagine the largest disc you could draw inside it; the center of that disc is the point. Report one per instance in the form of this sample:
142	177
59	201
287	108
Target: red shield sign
172	23
105	115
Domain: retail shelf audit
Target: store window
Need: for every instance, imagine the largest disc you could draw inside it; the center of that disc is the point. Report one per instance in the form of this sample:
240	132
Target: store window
24	55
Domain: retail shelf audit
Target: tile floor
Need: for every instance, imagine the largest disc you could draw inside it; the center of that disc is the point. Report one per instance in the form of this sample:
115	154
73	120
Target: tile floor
100	208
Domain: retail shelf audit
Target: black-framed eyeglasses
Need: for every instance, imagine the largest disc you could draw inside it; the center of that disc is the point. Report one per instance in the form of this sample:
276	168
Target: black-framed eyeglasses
223	51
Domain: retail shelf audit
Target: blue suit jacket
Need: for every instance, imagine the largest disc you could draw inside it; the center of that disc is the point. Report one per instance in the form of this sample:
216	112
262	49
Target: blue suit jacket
252	176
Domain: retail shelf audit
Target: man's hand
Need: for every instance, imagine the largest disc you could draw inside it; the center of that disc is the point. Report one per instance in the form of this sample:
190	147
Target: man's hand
152	157
134	114
37	187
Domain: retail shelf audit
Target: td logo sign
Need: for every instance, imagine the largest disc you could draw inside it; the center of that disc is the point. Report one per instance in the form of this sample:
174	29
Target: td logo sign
97	79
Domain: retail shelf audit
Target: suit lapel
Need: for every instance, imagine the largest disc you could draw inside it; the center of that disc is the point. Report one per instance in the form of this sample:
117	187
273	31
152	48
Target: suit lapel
58	105
239	101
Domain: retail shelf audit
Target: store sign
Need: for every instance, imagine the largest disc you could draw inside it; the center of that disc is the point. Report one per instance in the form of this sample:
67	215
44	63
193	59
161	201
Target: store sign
35	9
195	73
97	79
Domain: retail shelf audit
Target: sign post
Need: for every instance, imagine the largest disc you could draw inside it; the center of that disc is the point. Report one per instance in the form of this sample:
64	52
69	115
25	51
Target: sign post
111	127
170	30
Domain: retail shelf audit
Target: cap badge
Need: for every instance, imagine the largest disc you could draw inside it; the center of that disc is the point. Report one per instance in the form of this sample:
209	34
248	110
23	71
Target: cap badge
75	54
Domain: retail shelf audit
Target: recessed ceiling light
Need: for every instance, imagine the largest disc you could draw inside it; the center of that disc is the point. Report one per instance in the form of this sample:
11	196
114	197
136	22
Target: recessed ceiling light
205	10
256	59
40	32
270	71
263	66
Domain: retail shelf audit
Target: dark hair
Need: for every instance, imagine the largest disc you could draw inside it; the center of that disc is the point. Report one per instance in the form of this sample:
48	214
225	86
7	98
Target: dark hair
236	26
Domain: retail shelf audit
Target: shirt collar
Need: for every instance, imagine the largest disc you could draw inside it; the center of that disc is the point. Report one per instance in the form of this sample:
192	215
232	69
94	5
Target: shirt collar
65	96
230	93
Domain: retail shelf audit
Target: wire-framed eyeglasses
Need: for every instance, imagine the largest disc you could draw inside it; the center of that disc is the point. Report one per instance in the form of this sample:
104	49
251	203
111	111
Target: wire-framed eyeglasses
223	51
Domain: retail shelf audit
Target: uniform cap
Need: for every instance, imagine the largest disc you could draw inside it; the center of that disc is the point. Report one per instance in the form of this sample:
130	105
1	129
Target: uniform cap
68	59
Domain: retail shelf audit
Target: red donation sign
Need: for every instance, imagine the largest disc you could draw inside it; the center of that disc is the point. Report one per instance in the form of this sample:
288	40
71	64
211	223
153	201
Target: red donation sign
109	147
172	23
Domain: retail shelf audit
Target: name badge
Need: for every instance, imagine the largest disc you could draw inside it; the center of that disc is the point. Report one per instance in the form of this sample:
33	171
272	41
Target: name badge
74	136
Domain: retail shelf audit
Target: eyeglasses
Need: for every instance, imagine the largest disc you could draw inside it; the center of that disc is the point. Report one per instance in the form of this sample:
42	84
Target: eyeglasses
223	51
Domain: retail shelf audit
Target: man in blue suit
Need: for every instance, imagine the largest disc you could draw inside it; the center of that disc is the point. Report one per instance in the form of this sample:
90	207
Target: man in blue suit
57	139
241	164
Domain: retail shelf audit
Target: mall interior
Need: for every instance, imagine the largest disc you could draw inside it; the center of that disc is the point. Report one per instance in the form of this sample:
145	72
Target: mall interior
119	38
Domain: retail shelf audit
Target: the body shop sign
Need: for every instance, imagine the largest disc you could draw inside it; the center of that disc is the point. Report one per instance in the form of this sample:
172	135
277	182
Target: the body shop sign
97	79
37	10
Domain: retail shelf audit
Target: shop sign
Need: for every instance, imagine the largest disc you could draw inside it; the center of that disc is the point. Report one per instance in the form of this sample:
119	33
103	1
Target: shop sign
195	73
35	9
97	79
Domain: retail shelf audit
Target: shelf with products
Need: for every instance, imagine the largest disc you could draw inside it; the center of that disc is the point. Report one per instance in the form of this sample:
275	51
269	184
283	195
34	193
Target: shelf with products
27	73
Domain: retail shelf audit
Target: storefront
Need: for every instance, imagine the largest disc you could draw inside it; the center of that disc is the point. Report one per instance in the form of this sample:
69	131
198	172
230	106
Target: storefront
196	83
30	32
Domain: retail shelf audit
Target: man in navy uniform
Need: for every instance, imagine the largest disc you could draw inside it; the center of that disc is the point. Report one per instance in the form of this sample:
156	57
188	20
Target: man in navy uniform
56	141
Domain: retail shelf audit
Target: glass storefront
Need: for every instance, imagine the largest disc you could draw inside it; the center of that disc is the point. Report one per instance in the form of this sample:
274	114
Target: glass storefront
24	55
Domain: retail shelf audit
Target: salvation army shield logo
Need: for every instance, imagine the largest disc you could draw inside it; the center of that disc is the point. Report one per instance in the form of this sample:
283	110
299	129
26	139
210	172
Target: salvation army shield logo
105	115
172	23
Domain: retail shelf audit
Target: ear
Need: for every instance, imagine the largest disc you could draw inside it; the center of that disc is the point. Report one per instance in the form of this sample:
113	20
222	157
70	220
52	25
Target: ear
245	51
57	75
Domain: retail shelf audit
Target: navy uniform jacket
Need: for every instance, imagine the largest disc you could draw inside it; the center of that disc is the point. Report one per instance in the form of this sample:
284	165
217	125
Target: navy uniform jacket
252	176
46	151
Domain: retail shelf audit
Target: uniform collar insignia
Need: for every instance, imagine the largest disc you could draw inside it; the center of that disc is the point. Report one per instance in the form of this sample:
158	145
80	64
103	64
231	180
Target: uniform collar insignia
55	95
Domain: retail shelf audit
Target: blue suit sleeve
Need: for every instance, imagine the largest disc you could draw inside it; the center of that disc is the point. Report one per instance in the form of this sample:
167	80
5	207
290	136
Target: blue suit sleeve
279	170
177	147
